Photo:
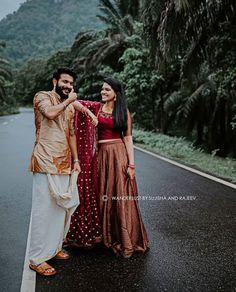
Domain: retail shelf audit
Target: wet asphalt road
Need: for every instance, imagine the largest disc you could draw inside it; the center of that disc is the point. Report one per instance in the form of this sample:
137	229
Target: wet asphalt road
190	221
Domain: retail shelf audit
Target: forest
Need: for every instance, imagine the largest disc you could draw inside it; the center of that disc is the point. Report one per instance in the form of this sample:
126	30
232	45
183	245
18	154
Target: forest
176	59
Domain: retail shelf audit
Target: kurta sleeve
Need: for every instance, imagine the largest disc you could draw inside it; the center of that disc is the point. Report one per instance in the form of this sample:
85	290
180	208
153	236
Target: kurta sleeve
41	102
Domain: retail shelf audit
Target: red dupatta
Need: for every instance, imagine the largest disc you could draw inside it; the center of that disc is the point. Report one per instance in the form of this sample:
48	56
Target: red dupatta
85	227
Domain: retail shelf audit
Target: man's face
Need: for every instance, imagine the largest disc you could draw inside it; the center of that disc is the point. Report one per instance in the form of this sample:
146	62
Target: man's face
64	85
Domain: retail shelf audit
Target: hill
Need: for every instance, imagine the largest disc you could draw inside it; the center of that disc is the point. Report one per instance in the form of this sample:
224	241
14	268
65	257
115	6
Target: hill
41	27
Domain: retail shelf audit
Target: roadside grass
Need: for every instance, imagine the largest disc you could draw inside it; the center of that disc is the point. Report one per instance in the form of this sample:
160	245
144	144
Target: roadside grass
178	149
8	110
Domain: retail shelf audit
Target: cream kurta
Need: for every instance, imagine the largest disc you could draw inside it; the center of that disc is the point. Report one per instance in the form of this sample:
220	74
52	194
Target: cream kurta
51	153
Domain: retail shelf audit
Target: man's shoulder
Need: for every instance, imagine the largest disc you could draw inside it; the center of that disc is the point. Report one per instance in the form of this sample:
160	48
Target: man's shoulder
42	98
43	94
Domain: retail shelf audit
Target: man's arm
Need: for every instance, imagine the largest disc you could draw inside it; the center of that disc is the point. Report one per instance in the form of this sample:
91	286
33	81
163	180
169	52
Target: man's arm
52	111
73	148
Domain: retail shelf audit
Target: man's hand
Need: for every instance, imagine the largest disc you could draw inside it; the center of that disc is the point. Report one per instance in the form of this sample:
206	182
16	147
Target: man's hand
72	96
77	167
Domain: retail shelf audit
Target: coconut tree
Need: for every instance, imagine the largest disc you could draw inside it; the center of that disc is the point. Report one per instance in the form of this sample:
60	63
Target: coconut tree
202	34
94	48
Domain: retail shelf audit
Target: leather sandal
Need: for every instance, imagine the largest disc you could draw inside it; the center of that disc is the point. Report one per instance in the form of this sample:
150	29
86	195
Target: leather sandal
62	255
43	269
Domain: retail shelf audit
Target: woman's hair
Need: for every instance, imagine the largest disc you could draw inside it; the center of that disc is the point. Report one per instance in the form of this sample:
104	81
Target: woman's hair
119	112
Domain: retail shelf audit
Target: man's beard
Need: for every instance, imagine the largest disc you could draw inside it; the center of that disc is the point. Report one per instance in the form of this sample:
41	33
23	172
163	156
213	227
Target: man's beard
59	91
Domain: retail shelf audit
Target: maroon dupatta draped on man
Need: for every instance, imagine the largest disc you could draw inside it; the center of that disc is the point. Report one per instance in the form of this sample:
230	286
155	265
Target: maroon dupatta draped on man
85	227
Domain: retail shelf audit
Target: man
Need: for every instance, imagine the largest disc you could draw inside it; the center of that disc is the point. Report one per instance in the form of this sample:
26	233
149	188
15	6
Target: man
51	167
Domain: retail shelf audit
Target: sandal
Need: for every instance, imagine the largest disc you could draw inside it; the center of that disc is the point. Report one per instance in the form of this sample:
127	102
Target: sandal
43	269
62	255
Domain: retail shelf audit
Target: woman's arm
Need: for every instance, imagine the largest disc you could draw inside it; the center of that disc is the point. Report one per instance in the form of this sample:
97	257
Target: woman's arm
128	140
81	108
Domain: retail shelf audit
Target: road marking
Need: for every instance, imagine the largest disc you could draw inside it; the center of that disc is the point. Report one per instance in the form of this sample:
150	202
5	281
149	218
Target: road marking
28	282
5	123
219	180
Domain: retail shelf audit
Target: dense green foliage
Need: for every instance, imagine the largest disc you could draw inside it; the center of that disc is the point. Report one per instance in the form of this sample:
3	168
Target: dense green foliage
202	35
7	101
41	27
175	57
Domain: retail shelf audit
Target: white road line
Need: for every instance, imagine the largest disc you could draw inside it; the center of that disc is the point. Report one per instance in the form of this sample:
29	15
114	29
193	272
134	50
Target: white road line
28	282
29	277
219	180
5	123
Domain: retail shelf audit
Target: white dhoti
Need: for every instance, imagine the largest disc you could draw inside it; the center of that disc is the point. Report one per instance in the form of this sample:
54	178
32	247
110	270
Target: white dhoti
54	199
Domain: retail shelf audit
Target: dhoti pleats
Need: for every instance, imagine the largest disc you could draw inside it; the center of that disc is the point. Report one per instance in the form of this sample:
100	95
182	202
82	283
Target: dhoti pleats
49	221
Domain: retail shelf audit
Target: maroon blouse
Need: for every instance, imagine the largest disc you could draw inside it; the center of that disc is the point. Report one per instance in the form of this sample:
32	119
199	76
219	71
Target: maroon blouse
106	127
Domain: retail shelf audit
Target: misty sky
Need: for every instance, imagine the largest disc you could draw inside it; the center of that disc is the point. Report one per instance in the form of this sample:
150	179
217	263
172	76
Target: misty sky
8	6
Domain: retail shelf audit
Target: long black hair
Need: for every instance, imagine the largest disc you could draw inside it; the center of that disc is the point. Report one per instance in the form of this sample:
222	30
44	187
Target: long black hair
119	112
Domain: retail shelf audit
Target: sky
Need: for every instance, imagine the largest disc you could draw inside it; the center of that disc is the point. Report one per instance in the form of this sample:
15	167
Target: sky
9	6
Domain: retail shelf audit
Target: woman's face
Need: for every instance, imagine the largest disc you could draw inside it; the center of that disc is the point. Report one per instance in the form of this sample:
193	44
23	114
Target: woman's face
108	94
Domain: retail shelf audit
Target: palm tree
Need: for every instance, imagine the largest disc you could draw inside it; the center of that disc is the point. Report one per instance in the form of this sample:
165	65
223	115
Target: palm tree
202	34
94	48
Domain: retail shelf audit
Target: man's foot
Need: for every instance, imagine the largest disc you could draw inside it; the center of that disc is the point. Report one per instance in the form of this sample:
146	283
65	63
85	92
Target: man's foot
43	269
62	255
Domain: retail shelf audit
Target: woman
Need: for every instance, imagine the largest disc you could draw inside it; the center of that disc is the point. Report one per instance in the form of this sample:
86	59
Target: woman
122	227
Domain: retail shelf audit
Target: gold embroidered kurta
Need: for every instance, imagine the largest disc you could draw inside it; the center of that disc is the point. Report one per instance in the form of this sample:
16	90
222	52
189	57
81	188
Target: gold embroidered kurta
51	153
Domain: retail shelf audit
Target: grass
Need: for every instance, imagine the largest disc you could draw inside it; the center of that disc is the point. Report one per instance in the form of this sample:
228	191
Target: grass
178	149
8	110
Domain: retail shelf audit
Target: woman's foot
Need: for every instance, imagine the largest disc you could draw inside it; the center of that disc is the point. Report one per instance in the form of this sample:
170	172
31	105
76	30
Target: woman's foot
43	269
62	255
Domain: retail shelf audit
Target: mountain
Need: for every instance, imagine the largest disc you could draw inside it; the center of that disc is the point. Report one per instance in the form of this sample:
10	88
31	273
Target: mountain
41	27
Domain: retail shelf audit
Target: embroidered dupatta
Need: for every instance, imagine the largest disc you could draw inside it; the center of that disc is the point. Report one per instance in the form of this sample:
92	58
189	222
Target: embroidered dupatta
85	227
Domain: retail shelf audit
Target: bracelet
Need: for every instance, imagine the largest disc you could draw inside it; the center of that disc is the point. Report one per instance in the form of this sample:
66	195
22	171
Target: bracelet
76	160
65	106
84	109
131	166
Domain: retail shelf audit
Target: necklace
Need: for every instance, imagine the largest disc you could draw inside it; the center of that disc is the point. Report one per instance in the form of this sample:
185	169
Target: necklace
107	112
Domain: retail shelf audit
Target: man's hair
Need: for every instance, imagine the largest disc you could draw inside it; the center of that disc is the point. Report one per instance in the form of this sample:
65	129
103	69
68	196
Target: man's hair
64	70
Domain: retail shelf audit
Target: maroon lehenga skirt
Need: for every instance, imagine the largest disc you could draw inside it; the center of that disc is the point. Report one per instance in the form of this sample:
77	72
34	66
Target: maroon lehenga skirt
122	226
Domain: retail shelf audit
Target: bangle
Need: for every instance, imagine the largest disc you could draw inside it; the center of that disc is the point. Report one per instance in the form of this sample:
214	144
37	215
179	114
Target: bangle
131	166
76	160
65	106
84	109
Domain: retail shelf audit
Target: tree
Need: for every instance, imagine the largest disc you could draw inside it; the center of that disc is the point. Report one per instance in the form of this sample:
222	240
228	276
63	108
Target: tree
201	34
5	75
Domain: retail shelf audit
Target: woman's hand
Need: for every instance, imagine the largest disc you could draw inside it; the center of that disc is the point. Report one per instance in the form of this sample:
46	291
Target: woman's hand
131	172
94	119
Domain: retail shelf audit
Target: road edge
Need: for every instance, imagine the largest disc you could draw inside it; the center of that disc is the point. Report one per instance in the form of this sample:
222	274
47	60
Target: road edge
28	282
201	173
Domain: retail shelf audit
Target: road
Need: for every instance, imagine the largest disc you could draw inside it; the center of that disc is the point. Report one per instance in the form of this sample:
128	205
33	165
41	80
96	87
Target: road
190	221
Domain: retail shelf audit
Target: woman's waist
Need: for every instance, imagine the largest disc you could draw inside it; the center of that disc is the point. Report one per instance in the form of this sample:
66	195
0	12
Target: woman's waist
110	141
